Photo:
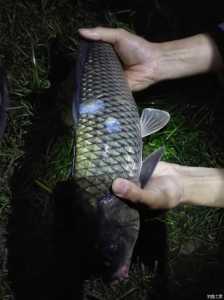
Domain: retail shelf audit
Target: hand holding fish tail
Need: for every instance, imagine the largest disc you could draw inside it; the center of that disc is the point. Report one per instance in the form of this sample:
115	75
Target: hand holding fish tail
164	190
172	184
139	57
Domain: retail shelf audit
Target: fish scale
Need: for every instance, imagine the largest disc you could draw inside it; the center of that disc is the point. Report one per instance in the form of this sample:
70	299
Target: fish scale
108	138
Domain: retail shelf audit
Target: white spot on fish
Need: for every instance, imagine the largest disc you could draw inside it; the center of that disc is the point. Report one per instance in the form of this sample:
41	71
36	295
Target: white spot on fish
106	150
92	107
112	125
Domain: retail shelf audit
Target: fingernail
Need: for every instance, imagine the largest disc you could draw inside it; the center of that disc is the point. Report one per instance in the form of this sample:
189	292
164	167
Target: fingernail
89	32
83	30
120	186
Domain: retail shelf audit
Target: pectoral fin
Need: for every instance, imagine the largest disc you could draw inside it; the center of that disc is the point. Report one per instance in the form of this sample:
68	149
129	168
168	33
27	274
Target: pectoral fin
152	120
148	166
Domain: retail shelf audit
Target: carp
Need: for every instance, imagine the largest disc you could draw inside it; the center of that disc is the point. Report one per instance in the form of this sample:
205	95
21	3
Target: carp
108	134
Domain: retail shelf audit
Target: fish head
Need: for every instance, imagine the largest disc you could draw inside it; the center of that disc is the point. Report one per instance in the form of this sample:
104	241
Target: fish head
118	228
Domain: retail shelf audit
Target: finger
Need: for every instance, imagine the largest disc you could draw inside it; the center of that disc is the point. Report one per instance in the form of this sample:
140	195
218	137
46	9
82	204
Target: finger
130	191
153	199
109	35
127	190
130	82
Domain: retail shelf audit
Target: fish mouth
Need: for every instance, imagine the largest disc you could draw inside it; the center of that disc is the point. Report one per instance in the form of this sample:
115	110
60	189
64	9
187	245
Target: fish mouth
115	275
120	275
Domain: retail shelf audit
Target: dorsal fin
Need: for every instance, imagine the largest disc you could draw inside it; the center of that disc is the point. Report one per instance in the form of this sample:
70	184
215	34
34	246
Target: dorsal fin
152	120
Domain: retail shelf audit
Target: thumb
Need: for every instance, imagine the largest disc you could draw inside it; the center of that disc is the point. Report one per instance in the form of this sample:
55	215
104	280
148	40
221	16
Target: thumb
127	190
130	191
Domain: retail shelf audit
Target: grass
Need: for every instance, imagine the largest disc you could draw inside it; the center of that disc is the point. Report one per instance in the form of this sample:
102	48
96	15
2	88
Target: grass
27	28
133	289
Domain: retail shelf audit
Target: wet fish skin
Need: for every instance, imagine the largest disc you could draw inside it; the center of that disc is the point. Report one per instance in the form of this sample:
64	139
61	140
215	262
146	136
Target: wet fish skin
108	145
108	136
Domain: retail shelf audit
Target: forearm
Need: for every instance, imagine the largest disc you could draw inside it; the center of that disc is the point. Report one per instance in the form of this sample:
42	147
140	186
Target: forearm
189	56
202	186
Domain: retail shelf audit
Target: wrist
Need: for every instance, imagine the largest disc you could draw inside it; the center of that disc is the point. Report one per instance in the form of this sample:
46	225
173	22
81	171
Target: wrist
202	186
152	58
187	57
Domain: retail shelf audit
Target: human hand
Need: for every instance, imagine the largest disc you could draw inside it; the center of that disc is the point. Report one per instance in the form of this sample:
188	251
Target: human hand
139	57
164	190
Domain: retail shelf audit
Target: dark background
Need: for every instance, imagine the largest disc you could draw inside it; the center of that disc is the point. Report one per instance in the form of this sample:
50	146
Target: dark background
154	20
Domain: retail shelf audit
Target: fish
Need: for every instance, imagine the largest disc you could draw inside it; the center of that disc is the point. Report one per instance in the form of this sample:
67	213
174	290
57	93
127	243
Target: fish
108	133
4	101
